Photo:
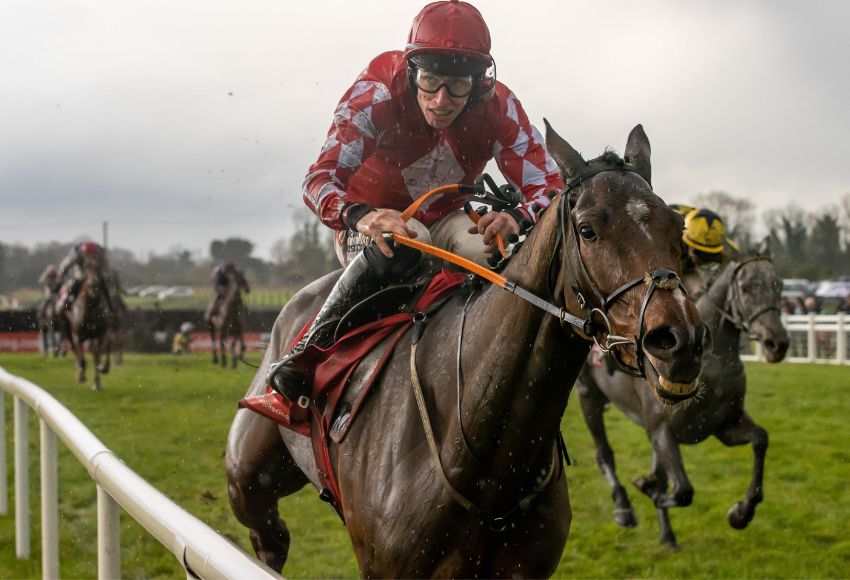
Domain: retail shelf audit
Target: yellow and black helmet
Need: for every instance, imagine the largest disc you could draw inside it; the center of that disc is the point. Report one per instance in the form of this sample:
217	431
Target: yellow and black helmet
681	208
704	231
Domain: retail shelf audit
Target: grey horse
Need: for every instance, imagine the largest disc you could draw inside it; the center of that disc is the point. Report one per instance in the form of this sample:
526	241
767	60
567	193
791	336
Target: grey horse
744	300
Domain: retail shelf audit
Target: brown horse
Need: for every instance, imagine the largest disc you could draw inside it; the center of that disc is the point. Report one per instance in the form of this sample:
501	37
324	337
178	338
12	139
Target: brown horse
86	323
225	319
490	499
744	299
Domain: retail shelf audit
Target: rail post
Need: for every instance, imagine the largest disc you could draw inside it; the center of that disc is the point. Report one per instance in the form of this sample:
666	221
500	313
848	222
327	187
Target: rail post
108	536
812	342
841	340
49	504
22	490
4	485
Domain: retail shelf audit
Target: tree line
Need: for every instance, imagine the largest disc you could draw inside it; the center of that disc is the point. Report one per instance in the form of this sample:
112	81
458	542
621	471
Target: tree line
805	244
296	260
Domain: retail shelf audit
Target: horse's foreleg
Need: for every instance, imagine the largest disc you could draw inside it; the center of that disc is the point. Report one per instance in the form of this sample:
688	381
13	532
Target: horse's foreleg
666	464
260	470
96	345
80	354
746	431
213	345
592	407
222	344
107	348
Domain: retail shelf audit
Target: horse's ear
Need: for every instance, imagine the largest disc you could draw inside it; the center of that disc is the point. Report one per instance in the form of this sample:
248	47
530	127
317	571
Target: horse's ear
568	159
764	247
638	152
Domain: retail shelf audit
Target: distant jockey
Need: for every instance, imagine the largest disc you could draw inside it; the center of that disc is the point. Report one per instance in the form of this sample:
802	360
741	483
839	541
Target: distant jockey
221	279
72	270
704	248
51	281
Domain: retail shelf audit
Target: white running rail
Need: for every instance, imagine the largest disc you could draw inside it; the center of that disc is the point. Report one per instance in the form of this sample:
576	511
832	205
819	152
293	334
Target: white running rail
201	551
814	338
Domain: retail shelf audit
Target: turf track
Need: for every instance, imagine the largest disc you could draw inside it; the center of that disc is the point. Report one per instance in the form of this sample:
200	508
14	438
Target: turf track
167	418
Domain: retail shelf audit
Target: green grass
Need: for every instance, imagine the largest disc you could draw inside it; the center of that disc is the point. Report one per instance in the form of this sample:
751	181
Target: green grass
168	418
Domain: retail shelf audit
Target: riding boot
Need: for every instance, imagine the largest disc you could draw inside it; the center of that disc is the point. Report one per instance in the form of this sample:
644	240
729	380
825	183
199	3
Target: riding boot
369	272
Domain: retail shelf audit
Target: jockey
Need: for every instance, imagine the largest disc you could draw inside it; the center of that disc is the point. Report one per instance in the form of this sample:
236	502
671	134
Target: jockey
51	281
414	120
220	278
220	281
705	247
72	270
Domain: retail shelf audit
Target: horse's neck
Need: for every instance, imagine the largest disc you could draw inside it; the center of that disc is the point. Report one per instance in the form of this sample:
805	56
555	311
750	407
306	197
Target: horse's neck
518	379
726	336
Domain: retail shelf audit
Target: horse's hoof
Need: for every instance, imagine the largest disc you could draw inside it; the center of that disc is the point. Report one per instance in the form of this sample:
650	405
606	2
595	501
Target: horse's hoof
95	387
104	370
646	485
670	545
625	517
739	516
273	547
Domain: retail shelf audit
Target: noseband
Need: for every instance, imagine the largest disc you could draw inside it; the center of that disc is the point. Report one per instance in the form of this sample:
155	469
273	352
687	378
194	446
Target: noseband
736	316
660	278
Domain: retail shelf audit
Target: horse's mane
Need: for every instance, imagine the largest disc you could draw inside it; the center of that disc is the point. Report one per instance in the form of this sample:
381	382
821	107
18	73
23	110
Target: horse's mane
609	159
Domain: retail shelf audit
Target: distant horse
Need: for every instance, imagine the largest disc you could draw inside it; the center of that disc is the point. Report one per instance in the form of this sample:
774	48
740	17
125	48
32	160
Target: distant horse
86	322
743	300
489	500
50	338
225	319
118	314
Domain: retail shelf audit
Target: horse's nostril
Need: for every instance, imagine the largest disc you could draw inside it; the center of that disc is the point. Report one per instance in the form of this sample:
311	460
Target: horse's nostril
660	339
769	345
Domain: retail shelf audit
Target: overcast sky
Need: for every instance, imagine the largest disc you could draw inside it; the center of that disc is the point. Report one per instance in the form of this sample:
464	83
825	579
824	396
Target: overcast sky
180	121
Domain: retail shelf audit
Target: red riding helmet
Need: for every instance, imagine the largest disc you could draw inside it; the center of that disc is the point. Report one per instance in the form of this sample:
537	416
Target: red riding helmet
449	27
90	249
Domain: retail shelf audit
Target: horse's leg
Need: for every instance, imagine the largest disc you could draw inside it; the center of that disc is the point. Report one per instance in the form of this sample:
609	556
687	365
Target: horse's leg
213	345
80	354
592	407
107	348
666	463
747	431
95	355
222	344
260	470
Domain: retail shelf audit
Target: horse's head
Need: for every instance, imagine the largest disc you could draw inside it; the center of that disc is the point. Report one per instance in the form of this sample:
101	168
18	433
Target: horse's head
752	302
621	266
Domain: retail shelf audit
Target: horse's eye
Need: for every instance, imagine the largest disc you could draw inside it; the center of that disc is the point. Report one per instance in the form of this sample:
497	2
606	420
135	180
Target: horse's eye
587	232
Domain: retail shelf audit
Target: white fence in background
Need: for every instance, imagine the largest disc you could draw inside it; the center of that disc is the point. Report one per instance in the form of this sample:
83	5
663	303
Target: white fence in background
201	551
818	338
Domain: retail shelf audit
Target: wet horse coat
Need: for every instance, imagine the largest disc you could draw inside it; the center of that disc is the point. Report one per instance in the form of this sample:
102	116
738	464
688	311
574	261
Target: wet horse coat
495	435
743	299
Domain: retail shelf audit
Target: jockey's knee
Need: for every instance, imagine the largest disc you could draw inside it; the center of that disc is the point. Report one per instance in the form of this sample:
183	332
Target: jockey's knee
403	261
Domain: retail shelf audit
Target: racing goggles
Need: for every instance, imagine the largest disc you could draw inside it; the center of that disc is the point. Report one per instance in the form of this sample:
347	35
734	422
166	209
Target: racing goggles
457	87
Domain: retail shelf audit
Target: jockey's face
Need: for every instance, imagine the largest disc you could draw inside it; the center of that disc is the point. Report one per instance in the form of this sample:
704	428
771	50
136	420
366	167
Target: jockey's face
440	108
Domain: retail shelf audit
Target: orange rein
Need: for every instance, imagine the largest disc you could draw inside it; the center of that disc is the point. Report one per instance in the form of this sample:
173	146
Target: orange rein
485	273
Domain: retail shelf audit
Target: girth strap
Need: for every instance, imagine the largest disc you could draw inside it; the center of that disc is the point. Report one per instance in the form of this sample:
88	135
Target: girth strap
498	523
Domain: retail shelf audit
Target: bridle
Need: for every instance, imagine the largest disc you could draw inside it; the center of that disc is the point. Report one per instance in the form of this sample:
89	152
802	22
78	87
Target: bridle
660	278
736	315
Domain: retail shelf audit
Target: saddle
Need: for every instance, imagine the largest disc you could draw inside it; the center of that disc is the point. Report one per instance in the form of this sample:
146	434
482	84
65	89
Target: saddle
346	371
